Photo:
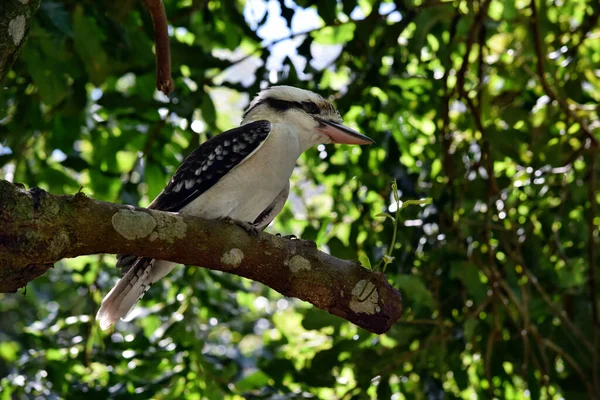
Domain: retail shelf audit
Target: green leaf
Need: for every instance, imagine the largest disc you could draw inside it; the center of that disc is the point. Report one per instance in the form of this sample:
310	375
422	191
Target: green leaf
88	39
420	202
317	319
155	178
9	351
364	260
387	259
469	276
52	86
209	113
322	234
425	21
53	13
335	34
469	329
256	380
414	291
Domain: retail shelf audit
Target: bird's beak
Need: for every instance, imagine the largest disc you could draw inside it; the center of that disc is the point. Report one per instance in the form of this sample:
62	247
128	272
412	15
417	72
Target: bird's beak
339	133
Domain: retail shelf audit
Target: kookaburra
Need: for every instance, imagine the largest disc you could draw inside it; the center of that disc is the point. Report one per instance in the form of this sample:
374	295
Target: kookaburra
242	174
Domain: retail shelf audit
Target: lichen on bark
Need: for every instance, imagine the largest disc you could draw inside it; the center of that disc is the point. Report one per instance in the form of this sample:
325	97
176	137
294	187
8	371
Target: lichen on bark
15	21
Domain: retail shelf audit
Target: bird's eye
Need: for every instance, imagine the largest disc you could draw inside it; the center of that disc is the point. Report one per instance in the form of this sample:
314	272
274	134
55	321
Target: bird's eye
310	107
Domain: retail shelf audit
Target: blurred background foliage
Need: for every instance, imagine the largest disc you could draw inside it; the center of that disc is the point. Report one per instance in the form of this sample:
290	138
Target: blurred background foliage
490	107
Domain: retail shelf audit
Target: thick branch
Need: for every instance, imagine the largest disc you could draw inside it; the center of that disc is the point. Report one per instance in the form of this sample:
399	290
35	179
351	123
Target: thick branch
15	20
39	229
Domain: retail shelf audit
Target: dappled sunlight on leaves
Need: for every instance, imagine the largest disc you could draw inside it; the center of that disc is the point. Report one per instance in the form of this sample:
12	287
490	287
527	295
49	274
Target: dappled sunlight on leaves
495	273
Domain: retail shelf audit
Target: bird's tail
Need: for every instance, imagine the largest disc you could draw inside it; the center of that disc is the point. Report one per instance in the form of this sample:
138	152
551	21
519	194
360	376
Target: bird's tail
126	293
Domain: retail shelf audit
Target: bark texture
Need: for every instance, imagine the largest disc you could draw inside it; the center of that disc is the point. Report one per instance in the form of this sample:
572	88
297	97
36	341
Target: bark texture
37	229
15	20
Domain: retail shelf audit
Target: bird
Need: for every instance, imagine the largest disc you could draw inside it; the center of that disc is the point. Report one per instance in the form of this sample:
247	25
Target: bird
241	174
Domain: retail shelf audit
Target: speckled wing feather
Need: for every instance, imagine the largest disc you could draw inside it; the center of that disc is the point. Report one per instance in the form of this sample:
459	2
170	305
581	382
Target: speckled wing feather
210	162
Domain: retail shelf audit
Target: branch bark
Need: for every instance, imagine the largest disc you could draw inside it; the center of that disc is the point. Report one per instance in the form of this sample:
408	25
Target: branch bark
164	82
15	20
39	228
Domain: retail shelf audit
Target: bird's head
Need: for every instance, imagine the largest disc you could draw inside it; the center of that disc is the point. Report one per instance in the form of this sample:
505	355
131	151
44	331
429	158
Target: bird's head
315	118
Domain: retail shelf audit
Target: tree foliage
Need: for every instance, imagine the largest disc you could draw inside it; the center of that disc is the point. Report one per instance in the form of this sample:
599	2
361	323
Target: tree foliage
488	107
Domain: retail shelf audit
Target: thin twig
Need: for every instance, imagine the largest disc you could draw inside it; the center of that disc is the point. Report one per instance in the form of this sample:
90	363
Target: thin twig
591	240
266	46
164	82
567	357
560	313
592	267
489	349
516	256
473	33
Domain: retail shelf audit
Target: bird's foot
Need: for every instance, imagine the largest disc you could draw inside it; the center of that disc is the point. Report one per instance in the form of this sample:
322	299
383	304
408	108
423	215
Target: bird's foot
248	227
291	237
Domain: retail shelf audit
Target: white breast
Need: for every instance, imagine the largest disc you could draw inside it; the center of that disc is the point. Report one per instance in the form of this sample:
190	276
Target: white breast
249	188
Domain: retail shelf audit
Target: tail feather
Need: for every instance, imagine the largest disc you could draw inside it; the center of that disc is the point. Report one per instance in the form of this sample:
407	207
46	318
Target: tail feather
125	262
126	293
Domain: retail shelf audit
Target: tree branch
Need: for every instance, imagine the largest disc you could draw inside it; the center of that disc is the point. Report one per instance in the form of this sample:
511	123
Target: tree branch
39	228
15	20
164	82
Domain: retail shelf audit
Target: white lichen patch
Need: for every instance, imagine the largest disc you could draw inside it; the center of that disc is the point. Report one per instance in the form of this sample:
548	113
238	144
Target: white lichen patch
16	29
59	243
232	258
365	300
170	227
299	263
23	1
278	243
133	224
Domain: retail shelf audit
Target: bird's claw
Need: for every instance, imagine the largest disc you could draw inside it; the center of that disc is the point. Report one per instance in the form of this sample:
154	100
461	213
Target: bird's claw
248	227
291	237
